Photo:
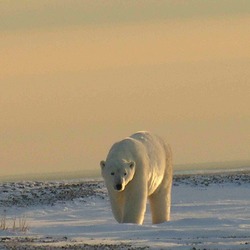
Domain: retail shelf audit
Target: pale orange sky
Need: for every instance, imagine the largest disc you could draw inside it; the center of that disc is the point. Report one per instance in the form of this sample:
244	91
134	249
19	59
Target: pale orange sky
77	76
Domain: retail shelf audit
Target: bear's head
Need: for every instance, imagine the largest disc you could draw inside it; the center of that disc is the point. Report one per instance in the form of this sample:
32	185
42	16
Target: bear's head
118	175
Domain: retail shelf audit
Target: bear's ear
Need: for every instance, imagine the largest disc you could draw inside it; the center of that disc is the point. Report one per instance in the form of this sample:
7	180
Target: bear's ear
102	164
132	164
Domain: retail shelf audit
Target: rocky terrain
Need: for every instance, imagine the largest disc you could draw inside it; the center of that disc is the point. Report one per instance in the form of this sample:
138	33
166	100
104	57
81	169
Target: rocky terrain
30	193
59	201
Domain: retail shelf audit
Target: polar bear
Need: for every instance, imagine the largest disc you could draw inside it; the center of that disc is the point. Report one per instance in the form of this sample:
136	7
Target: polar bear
136	169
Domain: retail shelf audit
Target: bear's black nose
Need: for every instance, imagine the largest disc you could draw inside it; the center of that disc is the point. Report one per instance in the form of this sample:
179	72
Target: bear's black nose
118	186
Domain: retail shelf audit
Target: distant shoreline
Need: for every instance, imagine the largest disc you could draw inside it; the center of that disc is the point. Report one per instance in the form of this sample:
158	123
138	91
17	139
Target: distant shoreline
179	169
213	171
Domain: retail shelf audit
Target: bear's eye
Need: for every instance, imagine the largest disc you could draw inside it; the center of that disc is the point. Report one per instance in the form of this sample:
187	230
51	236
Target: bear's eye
112	173
125	174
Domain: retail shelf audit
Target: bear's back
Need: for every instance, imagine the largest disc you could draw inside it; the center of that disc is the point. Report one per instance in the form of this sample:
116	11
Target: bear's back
156	155
150	141
154	145
140	146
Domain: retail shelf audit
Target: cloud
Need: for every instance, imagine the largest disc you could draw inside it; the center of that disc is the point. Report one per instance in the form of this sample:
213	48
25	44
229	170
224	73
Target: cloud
26	15
100	48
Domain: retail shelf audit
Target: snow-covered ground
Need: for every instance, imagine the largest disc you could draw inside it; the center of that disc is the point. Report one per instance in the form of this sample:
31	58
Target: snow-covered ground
209	211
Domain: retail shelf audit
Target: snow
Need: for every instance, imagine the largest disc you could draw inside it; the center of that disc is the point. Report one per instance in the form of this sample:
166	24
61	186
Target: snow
209	211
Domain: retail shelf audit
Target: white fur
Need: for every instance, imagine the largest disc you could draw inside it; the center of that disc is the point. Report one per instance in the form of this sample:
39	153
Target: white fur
136	169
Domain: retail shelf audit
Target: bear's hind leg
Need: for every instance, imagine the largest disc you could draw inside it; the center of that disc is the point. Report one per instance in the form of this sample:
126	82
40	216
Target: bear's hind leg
160	204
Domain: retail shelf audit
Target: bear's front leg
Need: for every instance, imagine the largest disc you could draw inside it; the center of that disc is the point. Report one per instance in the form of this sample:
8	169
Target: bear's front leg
134	206
117	204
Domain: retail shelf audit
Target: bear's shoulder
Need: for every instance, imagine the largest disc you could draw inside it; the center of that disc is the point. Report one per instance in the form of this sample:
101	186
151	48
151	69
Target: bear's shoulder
141	136
147	138
123	149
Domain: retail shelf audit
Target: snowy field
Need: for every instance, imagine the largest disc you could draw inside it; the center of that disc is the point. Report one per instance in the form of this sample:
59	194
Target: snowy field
209	211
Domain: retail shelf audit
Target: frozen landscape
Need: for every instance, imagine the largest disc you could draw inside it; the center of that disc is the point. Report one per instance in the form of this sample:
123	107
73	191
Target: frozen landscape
209	211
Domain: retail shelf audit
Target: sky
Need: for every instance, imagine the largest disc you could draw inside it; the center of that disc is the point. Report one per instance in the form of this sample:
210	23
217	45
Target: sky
77	76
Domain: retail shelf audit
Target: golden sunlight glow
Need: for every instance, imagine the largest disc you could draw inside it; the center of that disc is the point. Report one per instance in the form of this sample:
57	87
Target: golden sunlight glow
71	87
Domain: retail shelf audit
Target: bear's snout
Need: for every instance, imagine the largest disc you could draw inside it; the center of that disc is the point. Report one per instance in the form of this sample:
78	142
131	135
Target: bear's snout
118	187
